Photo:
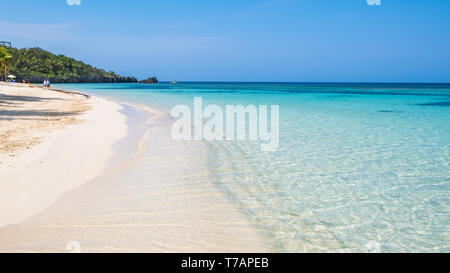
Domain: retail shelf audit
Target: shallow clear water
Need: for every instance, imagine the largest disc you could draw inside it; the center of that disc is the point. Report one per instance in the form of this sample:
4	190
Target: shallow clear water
361	167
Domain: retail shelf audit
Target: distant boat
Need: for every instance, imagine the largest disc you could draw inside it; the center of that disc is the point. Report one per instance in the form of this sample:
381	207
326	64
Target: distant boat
173	82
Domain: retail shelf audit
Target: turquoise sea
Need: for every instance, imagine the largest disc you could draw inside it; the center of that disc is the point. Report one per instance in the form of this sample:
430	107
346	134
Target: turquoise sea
360	167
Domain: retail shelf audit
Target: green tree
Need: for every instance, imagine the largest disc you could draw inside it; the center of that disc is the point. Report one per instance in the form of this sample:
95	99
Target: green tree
5	59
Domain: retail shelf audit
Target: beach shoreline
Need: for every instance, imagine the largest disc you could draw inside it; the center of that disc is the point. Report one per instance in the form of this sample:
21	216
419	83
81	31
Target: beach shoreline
48	144
172	207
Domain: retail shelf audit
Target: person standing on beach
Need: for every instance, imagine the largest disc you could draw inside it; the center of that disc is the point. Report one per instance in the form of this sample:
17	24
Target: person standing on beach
46	84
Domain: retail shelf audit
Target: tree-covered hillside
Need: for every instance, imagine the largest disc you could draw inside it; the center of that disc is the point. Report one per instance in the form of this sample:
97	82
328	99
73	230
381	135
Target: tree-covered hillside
36	65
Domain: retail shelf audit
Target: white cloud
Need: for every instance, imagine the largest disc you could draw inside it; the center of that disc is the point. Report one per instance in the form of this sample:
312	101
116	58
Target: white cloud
74	2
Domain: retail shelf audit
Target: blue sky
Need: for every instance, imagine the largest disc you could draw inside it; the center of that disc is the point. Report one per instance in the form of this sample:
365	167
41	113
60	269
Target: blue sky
243	40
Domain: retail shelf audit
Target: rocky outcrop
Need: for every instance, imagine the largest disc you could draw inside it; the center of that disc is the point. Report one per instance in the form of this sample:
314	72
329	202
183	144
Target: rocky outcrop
150	80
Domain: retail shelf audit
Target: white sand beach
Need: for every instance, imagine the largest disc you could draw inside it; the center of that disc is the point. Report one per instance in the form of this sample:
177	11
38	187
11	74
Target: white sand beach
50	143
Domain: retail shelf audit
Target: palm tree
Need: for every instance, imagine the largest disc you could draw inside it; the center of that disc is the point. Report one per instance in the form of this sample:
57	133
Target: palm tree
5	59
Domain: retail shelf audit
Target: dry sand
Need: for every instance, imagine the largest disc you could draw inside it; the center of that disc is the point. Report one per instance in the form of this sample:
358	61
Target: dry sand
50	143
28	114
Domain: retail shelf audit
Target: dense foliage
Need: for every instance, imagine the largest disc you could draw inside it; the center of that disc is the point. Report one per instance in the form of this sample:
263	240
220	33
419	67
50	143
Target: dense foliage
36	65
5	60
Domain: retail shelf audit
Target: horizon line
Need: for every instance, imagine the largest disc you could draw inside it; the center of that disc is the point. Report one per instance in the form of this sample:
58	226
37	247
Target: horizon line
307	82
